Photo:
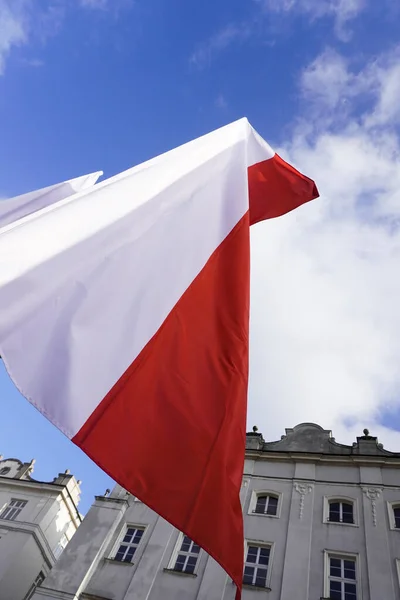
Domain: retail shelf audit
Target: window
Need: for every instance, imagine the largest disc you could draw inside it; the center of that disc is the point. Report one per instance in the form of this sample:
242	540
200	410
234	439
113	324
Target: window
5	470
394	515
12	510
341	511
398	569
60	546
256	565
38	581
129	544
186	555
266	505
341	577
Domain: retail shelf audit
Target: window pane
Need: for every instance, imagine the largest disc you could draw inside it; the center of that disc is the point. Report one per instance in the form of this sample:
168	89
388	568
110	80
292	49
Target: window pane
350	592
264	556
248	575
396	512
334	512
191	563
129	535
261	504
120	554
130	553
252	554
138	536
347	512
272	505
335	590
349	569
180	562
186	543
195	549
261	577
336	567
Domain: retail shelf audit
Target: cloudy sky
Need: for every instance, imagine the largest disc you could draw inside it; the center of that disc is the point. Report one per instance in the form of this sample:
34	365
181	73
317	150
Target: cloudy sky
89	85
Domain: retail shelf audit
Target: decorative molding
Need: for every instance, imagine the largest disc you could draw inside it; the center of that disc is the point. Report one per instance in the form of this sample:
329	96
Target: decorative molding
303	489
372	494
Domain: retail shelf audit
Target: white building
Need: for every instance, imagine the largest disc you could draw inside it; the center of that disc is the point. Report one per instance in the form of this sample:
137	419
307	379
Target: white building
322	520
37	520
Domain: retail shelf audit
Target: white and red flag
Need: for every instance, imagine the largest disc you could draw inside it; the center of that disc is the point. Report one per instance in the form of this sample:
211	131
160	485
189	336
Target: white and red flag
124	318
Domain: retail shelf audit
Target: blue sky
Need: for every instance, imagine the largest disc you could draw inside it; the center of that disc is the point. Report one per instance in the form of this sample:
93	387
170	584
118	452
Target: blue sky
89	85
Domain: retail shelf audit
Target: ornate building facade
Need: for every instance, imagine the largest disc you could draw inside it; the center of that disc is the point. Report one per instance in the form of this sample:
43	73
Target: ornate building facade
322	521
37	520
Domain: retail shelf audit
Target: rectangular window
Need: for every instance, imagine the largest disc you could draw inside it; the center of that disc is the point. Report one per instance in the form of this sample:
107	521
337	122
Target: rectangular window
341	578
187	556
60	546
13	509
396	513
256	565
129	544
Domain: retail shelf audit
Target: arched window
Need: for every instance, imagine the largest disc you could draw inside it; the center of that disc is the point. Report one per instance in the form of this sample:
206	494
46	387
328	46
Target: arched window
266	504
341	511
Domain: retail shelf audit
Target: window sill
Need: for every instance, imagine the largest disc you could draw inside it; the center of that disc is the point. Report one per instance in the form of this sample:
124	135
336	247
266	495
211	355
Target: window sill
257	514
181	573
119	562
341	525
256	588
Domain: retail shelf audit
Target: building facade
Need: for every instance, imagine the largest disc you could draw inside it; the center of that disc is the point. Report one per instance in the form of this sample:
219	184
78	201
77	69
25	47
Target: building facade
322	520
37	520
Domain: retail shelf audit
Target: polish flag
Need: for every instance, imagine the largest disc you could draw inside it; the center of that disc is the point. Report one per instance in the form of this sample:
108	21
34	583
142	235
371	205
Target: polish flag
13	209
124	318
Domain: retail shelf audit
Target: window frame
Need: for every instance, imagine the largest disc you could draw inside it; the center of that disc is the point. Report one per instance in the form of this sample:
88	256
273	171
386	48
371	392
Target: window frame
60	547
253	503
260	544
340	499
37	583
397	560
342	556
120	541
392	521
8	506
174	557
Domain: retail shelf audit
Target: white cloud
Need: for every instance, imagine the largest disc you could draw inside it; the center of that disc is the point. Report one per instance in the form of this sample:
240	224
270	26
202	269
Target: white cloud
331	83
325	333
14	19
23	21
232	33
220	102
342	11
98	4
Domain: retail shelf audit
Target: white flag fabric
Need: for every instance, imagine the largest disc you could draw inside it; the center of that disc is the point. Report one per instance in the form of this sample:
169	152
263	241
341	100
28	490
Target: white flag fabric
13	209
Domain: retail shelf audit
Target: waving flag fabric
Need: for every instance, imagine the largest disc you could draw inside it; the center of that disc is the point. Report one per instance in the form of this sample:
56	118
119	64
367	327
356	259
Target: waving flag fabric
126	323
13	209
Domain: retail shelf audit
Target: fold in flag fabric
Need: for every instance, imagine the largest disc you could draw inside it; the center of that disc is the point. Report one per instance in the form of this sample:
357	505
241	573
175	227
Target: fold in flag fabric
16	208
124	318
